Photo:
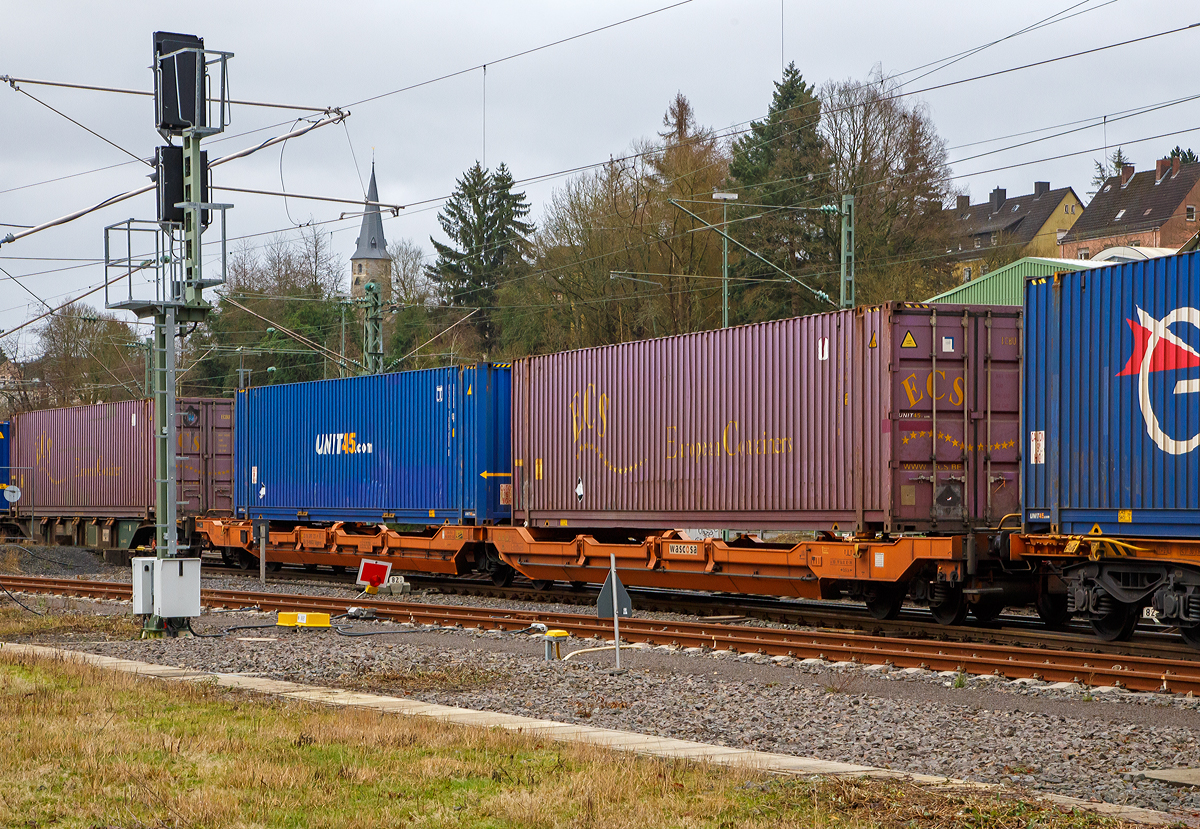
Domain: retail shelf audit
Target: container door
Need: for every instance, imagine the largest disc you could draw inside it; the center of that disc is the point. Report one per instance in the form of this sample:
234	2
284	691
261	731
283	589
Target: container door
995	415
218	472
930	394
189	456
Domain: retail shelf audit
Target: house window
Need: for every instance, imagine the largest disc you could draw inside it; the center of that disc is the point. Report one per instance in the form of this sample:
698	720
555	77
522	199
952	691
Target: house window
966	274
978	241
1084	253
1066	208
995	239
1120	213
1016	207
1148	209
360	267
1191	212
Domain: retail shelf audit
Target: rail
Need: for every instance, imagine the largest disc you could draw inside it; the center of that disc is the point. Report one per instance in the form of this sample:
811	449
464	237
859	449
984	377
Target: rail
1013	662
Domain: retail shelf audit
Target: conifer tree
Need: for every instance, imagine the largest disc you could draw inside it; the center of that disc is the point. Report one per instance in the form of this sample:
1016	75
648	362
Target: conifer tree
781	162
485	222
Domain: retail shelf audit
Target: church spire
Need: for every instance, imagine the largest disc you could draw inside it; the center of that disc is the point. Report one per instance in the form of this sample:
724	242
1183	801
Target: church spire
371	244
370	262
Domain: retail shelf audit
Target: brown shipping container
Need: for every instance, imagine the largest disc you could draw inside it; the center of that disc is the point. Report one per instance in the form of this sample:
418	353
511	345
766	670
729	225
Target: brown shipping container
98	461
898	418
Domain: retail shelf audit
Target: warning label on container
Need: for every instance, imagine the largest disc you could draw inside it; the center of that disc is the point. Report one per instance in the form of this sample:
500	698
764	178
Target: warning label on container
1037	446
872	343
909	341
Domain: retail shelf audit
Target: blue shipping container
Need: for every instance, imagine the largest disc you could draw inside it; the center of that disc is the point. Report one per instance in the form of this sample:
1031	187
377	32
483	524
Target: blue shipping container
415	447
1111	418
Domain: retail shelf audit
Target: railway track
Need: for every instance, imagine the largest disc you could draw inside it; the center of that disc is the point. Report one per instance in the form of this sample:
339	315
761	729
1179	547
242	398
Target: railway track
1135	672
1009	628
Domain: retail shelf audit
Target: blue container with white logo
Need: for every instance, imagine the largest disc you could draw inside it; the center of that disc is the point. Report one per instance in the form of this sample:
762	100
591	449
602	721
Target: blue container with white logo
415	447
1111	423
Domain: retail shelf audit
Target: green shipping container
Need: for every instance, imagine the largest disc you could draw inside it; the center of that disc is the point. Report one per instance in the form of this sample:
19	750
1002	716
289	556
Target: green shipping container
1006	286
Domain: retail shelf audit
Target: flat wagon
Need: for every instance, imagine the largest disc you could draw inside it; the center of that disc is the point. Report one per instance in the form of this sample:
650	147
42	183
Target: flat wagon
86	473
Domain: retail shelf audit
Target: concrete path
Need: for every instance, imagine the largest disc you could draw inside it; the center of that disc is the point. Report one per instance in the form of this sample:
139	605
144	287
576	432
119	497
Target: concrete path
646	744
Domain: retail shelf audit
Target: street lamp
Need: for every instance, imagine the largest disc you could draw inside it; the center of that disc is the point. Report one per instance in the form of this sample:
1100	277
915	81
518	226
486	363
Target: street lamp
725	199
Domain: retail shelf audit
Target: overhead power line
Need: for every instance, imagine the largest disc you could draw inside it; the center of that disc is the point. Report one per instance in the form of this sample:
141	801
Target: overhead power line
333	118
12	83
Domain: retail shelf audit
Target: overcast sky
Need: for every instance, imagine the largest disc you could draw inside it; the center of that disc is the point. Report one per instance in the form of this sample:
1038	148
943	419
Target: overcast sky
562	107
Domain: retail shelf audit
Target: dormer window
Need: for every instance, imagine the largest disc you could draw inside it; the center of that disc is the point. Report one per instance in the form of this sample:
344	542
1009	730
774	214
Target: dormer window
978	241
995	239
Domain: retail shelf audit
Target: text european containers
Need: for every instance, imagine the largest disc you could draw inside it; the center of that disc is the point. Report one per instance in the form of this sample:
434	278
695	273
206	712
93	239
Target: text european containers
413	447
98	461
1112	400
897	417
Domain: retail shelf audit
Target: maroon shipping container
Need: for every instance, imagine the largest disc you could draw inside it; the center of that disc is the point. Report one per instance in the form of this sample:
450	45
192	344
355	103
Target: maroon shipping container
98	461
900	418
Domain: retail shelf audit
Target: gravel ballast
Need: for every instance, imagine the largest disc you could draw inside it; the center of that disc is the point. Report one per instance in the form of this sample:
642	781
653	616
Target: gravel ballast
1071	741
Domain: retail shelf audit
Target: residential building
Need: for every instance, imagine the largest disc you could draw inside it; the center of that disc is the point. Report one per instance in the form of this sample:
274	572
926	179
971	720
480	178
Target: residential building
1002	229
1151	209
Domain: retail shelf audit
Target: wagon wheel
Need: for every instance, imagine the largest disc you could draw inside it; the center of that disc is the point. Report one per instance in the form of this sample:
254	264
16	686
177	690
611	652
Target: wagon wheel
542	584
1191	636
1117	625
1052	609
885	603
502	576
986	610
952	610
246	561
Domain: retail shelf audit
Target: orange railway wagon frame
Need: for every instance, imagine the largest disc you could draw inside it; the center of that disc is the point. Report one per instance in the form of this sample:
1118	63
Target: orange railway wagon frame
1097	547
809	569
450	550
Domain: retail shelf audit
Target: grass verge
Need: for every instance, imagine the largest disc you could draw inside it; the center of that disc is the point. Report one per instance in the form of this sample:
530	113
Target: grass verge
16	622
92	748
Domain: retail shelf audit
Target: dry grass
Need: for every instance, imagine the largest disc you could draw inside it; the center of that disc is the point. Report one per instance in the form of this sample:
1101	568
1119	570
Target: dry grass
10	562
88	748
16	622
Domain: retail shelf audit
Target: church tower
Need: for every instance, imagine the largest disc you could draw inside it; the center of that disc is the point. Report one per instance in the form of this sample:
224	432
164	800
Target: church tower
370	262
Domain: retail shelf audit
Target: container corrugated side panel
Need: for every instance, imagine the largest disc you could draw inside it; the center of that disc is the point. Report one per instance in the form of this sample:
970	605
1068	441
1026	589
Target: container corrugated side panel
743	427
486	442
5	444
810	422
1120	403
375	448
86	461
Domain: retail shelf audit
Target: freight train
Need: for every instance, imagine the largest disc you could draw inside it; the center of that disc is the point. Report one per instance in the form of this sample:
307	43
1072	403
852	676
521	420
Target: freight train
966	458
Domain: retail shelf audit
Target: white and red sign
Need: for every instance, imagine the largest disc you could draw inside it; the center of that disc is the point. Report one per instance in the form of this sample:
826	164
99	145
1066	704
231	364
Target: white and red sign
373	573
